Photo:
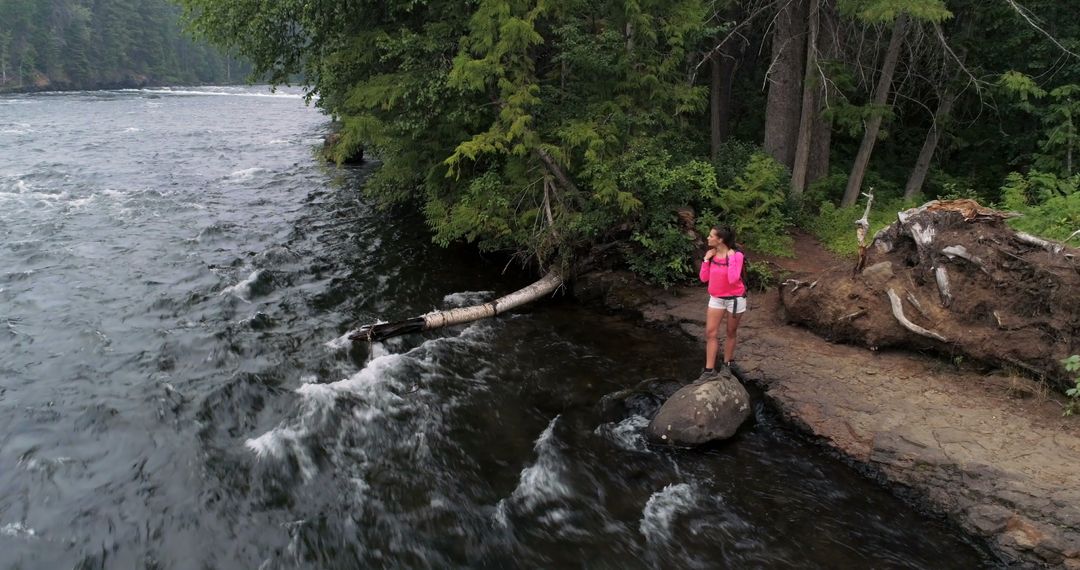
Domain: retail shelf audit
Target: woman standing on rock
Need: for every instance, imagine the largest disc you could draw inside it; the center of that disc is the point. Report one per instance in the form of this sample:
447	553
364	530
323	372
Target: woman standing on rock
722	270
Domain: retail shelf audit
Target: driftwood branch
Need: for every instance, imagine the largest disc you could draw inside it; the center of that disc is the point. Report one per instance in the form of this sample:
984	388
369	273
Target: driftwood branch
862	228
438	319
898	312
1029	239
915	303
853	316
547	210
962	252
942	278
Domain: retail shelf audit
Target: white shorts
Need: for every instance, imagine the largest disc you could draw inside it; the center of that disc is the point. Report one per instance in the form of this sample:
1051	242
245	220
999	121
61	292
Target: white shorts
736	305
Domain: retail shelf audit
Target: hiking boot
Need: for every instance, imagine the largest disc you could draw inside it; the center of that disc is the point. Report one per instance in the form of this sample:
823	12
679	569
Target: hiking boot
705	376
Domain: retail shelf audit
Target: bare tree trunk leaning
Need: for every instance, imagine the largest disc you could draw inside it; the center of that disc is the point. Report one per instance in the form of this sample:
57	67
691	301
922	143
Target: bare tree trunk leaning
825	96
922	164
862	228
723	62
547	285
714	106
873	125
782	109
806	120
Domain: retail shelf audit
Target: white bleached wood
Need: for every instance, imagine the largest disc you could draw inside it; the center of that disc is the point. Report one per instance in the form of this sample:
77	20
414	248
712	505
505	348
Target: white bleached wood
898	312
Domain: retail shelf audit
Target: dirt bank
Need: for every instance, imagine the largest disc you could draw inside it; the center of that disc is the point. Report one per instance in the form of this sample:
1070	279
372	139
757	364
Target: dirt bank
989	450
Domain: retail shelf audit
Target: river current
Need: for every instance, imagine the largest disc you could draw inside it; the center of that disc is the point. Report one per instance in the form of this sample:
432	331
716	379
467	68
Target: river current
177	272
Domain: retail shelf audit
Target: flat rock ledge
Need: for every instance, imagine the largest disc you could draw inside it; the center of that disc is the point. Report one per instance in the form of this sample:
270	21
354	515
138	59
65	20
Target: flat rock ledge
990	452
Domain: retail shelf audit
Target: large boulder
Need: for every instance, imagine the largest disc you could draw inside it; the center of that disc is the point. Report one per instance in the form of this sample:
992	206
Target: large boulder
702	412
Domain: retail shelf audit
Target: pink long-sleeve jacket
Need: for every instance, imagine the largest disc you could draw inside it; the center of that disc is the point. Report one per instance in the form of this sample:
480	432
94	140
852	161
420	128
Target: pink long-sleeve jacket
724	275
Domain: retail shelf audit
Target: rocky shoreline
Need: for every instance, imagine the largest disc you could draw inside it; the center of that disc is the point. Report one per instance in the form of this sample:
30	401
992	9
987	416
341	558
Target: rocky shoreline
989	451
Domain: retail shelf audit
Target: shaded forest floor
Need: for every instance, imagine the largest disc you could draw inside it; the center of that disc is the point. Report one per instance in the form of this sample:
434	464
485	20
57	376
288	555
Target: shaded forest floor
987	448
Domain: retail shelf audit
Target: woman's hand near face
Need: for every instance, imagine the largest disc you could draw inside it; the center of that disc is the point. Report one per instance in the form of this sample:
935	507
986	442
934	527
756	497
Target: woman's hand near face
709	254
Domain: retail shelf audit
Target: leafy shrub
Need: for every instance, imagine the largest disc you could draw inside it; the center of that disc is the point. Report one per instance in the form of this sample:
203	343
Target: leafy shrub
731	160
664	250
759	276
1050	204
751	199
754	204
1072	364
835	227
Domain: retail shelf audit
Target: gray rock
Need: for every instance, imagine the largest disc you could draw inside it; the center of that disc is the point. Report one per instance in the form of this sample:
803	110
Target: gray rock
702	412
879	273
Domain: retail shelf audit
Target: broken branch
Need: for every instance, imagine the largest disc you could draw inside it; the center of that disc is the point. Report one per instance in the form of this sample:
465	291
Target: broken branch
438	319
942	278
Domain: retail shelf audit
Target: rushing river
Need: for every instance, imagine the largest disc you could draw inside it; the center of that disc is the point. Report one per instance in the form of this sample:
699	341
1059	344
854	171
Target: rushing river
176	275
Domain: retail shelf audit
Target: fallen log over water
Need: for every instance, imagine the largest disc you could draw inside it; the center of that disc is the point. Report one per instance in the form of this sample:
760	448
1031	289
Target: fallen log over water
545	286
952	277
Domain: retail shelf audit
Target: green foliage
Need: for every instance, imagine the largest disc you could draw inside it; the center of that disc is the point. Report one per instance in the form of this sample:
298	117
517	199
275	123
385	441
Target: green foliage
1072	364
835	227
760	276
663	252
883	11
1050	205
1061	137
517	125
732	159
753	204
69	44
545	128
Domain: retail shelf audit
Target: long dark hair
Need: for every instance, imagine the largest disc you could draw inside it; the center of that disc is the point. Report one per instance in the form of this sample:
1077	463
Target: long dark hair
727	235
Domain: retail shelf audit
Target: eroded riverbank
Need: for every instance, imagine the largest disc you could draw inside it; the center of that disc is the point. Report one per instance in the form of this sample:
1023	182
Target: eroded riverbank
990	452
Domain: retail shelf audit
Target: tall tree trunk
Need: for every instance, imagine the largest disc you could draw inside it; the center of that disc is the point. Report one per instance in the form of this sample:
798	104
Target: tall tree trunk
873	125
922	164
820	140
809	109
723	65
714	105
825	95
783	107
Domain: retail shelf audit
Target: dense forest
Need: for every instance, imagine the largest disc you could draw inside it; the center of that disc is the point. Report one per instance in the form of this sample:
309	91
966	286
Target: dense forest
87	44
549	129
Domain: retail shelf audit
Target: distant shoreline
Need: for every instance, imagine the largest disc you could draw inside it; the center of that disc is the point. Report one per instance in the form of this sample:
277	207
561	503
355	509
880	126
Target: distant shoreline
114	86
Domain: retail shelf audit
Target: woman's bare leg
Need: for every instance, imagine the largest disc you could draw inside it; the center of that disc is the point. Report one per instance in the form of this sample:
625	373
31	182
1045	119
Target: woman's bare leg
712	343
729	339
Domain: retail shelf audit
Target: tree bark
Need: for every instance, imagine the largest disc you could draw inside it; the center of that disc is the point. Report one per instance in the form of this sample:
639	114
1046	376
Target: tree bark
922	164
783	106
826	94
438	319
714	105
873	125
802	146
723	65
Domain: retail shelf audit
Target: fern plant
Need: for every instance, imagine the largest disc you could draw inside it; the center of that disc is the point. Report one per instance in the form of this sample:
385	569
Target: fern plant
1072	364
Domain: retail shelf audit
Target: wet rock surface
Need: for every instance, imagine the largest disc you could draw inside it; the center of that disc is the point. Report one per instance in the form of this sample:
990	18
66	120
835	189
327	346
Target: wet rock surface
987	449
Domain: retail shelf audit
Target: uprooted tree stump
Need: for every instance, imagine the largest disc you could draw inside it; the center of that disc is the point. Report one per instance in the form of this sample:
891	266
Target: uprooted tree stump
952	277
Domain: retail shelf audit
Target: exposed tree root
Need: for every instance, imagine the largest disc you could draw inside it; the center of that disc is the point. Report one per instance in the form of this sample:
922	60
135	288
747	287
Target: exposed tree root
994	295
898	312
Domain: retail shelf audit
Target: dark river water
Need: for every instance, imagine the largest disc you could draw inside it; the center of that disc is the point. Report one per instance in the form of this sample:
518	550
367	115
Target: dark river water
177	273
